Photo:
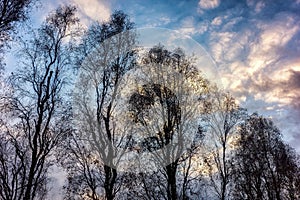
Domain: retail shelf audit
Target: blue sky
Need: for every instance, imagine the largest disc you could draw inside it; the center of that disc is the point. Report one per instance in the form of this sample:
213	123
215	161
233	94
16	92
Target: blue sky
254	43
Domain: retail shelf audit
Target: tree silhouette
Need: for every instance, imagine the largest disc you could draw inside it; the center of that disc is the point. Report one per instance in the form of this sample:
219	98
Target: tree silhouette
11	12
37	117
165	107
264	167
222	122
104	56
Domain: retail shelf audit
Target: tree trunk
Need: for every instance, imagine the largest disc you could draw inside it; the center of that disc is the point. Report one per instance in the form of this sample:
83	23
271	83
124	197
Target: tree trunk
29	185
171	174
34	159
224	176
110	180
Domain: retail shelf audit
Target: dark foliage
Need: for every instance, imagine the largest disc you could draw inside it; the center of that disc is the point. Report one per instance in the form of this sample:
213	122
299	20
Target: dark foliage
11	13
264	167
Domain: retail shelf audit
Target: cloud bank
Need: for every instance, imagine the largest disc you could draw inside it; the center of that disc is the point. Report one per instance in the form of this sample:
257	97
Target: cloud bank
256	46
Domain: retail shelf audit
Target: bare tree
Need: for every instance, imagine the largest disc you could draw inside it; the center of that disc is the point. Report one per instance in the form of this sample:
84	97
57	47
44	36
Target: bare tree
165	109
11	12
105	56
221	123
264	167
36	116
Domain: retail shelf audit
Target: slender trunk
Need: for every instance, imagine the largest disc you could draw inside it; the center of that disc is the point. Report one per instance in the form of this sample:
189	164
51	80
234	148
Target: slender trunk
110	173
224	178
185	180
224	161
171	174
29	185
34	158
110	180
223	191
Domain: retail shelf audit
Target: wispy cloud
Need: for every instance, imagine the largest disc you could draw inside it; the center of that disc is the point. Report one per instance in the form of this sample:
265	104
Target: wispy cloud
88	10
209	4
92	10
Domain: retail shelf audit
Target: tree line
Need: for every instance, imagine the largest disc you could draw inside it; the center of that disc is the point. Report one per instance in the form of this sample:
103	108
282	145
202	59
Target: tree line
195	141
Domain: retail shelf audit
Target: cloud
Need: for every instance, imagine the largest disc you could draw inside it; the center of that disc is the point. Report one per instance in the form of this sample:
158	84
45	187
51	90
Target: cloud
256	45
256	53
209	4
257	6
160	21
88	11
92	10
270	64
277	33
217	21
188	26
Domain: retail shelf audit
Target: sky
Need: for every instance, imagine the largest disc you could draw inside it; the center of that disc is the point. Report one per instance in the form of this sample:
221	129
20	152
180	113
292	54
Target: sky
255	45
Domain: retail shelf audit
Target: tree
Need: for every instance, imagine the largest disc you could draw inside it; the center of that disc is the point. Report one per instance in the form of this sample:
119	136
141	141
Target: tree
221	123
11	12
36	117
106	54
165	108
264	167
